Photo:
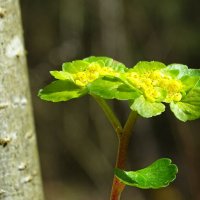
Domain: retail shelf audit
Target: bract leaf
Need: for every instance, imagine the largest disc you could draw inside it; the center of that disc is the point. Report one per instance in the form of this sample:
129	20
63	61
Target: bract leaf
61	91
61	75
194	72
189	106
176	71
159	174
145	66
185	111
147	109
107	62
189	82
111	87
75	66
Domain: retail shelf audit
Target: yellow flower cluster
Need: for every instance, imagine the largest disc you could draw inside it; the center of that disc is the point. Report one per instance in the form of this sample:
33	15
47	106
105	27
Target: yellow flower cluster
92	72
154	83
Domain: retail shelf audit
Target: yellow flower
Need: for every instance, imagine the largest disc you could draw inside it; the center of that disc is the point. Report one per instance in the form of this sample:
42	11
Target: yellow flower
154	83
92	72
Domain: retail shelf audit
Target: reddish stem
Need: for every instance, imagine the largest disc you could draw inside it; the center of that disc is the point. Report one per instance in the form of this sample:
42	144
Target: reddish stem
124	139
117	189
123	135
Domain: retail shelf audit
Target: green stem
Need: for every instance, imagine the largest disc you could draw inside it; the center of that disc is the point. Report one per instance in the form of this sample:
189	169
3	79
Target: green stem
123	135
110	115
117	186
124	139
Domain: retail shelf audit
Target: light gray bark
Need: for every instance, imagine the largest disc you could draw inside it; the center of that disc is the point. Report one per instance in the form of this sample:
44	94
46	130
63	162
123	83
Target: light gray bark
19	167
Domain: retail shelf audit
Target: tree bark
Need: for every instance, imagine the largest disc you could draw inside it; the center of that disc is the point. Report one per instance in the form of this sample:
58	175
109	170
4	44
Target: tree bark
19	166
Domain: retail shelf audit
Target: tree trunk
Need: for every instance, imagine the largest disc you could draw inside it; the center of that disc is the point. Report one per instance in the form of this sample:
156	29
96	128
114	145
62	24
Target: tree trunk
19	167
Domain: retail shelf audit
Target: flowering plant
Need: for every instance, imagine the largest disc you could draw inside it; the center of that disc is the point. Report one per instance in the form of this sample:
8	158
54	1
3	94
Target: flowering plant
148	86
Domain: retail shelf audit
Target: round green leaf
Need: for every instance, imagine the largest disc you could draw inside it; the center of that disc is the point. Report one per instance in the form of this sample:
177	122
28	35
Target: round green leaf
75	66
147	109
159	174
112	88
194	72
145	66
61	75
189	106
61	91
176	71
108	62
185	111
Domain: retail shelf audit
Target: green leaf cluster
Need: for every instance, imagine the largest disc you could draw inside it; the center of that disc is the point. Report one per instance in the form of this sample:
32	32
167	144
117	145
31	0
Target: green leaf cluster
148	86
157	175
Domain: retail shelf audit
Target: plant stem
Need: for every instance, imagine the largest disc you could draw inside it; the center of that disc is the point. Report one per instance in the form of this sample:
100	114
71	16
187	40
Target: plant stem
124	139
123	135
110	115
117	186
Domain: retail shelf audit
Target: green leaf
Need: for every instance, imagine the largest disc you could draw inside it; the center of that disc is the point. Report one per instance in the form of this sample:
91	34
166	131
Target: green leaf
176	71
147	109
194	72
60	75
179	71
107	62
189	82
159	174
189	106
75	66
61	91
111	87
145	66
185	111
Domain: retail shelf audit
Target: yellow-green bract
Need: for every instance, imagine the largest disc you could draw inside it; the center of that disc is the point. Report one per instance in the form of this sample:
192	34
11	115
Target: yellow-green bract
148	86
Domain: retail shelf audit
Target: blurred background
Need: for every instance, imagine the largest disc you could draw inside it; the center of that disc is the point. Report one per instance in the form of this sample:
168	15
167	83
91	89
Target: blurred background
77	145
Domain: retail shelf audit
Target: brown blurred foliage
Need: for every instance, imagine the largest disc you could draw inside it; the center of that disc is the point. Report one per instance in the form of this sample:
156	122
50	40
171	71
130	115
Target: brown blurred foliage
77	145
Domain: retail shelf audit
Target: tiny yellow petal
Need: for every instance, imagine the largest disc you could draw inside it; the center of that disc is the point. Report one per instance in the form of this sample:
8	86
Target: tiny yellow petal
94	71
148	82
